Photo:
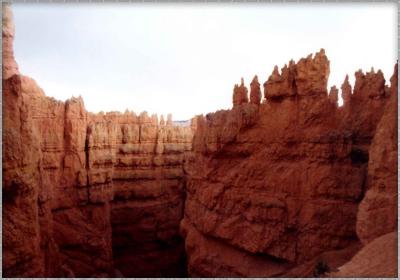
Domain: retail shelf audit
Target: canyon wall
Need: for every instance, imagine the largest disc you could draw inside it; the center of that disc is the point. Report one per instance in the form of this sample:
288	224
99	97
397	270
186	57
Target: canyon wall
142	161
378	210
273	186
87	194
377	214
284	184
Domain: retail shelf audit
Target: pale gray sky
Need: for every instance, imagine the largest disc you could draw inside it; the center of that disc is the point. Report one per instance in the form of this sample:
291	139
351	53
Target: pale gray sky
185	58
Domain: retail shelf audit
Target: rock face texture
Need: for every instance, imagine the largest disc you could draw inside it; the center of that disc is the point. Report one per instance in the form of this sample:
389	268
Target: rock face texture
279	183
22	254
97	186
87	194
255	91
377	213
144	162
289	186
377	259
10	67
96	189
240	94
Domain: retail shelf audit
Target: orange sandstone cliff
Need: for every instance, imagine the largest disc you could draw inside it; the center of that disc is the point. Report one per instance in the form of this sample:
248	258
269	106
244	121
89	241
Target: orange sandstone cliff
274	186
377	214
87	194
286	183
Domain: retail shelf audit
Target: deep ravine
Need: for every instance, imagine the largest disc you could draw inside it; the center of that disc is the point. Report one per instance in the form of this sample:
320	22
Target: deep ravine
286	183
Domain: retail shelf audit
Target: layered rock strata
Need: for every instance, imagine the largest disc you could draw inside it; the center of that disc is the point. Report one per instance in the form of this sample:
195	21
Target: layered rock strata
97	187
143	162
286	185
87	194
277	184
377	213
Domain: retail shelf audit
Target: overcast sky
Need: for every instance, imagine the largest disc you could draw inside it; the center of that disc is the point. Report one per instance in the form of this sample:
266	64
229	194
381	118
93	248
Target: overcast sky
184	59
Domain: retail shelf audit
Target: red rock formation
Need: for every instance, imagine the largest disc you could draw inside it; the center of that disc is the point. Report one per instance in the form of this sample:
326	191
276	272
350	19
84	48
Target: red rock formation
377	259
83	192
70	229
22	254
312	74
169	119
282	182
240	94
377	213
365	106
99	180
209	256
279	86
334	95
346	91
255	91
271	189
10	67
324	263
308	77
162	122
148	197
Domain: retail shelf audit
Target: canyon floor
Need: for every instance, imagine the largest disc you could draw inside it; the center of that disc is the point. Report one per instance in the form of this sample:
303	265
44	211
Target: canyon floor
287	183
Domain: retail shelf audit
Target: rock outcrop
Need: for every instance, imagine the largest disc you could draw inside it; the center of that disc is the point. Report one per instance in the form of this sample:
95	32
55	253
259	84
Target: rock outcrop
240	94
377	259
148	188
377	213
255	91
334	95
306	78
279	183
10	67
101	191
87	194
293	186
22	254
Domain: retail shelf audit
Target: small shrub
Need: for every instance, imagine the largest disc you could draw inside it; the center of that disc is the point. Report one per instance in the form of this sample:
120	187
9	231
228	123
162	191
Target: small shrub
321	268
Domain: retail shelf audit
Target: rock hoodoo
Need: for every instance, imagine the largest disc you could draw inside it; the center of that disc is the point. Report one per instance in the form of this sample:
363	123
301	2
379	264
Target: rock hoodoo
240	94
294	186
255	91
334	95
10	67
346	91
